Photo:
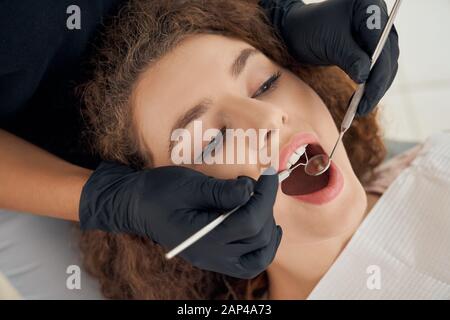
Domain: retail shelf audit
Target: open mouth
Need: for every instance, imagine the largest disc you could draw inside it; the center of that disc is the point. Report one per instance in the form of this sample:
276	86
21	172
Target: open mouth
300	183
301	186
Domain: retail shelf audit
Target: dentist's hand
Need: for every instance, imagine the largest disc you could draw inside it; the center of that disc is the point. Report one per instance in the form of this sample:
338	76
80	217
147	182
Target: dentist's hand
335	32
169	204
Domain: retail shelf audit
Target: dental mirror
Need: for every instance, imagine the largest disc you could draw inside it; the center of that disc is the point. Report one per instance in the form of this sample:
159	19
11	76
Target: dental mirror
318	165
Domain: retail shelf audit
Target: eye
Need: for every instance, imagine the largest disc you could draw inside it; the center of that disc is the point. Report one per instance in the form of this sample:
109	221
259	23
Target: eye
268	85
211	147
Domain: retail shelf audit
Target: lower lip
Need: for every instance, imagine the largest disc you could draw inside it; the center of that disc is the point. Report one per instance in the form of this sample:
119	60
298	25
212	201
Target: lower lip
327	194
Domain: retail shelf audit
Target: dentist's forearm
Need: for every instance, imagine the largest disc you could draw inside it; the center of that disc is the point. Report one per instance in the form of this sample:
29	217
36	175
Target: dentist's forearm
35	181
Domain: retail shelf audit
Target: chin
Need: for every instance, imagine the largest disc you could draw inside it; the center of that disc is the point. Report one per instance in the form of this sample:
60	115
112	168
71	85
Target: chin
346	213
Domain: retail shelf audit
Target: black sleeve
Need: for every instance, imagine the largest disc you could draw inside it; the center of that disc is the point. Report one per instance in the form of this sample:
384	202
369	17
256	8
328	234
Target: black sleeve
24	38
41	62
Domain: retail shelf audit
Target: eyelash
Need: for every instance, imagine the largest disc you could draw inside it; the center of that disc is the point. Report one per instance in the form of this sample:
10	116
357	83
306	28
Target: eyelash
267	86
270	84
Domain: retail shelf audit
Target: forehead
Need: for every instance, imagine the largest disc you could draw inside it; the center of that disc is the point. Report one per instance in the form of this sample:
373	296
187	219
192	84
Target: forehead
192	70
197	57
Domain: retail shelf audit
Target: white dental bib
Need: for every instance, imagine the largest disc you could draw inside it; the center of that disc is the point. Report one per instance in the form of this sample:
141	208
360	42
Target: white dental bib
402	249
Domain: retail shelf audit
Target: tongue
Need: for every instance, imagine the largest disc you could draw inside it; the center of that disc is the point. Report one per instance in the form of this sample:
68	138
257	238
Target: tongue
299	183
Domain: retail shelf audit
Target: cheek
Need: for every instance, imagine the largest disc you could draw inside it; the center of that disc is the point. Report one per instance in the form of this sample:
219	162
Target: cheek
319	116
302	104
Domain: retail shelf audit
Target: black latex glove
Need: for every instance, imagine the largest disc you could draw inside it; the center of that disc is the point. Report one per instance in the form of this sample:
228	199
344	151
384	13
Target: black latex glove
169	204
335	32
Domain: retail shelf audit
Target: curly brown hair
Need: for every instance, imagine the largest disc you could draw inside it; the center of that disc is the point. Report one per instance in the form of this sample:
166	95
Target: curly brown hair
131	267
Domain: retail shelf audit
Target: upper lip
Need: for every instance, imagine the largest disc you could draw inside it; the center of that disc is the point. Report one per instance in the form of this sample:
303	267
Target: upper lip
296	141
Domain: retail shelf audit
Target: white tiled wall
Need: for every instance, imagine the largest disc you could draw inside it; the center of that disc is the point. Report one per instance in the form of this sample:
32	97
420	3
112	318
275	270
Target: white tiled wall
418	103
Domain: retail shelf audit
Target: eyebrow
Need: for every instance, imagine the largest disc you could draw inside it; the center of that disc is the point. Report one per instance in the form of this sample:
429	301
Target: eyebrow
241	61
201	108
192	114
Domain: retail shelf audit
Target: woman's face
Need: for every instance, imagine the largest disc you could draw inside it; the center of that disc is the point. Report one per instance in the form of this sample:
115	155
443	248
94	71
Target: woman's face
225	83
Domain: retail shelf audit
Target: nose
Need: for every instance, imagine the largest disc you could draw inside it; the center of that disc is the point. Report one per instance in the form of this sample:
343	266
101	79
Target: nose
255	114
245	114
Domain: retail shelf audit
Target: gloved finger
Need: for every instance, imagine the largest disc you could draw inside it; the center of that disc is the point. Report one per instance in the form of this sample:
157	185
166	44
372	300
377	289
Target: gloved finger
394	73
221	195
352	59
395	54
395	49
392	47
251	218
216	258
213	258
232	266
229	266
257	261
262	239
377	84
216	197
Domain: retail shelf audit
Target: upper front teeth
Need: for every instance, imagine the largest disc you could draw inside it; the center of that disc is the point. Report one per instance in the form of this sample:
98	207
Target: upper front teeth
296	156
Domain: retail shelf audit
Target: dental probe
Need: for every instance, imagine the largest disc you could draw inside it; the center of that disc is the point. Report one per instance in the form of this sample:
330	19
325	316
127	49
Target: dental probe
213	224
320	163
